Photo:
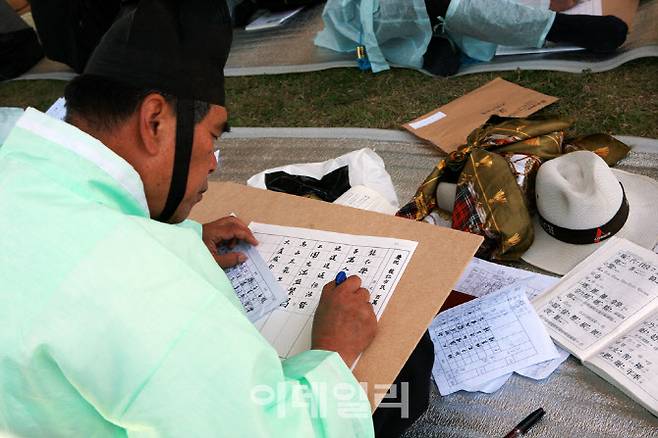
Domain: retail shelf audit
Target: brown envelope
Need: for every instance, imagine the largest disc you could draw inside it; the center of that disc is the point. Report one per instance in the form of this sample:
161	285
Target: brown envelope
448	126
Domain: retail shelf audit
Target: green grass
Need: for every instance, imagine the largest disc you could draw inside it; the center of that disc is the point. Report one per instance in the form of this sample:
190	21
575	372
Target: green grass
38	94
623	101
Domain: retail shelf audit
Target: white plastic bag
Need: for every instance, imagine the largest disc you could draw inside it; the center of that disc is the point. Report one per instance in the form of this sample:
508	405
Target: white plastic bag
366	168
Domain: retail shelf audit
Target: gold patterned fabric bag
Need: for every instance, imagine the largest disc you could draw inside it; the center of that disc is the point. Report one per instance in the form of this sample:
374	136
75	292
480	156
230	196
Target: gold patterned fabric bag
495	172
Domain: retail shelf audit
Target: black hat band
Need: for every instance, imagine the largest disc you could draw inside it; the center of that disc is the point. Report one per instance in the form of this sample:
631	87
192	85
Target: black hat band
591	235
182	157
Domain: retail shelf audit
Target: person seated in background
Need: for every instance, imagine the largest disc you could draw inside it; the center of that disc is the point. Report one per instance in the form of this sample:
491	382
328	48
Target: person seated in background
69	30
426	33
19	45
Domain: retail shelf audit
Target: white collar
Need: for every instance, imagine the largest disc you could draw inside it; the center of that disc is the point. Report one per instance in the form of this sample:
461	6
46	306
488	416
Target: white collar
88	147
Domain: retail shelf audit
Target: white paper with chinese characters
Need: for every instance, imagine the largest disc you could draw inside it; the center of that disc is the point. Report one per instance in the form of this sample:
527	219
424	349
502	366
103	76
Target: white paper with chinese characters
254	284
537	371
481	278
631	360
479	342
366	198
605	312
304	260
607	293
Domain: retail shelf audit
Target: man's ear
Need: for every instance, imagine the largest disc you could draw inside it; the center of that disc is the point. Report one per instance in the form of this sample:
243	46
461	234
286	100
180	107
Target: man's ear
157	123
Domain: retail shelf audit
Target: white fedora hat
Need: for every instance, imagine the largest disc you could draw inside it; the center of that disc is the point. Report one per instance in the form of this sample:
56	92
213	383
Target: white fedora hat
581	202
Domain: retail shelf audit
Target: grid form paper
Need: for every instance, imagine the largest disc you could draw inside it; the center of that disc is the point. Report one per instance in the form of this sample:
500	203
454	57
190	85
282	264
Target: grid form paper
487	338
304	260
253	283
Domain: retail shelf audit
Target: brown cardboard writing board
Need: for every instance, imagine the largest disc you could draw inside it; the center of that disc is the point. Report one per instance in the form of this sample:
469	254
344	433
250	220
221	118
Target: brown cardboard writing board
440	257
448	126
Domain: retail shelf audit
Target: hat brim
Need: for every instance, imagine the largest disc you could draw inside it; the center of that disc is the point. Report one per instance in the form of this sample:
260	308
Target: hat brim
641	227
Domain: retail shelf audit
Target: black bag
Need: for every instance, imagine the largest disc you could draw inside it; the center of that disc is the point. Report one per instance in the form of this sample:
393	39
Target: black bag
19	51
71	29
328	188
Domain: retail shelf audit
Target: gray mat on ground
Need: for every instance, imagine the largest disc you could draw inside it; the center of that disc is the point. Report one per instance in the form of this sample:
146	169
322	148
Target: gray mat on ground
577	401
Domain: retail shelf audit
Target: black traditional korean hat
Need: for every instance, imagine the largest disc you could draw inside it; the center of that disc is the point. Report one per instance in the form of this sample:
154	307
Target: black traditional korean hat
179	47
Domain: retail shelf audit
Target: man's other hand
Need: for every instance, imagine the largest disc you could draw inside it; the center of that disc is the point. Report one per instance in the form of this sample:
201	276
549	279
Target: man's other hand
227	231
344	320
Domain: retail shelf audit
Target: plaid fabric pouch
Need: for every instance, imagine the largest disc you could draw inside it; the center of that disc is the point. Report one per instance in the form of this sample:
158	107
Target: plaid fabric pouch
490	203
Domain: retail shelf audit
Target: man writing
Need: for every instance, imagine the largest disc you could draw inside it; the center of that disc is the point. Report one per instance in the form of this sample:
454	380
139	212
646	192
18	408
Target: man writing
115	318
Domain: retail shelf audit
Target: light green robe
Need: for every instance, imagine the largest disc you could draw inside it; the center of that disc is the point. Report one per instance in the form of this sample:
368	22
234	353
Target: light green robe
112	324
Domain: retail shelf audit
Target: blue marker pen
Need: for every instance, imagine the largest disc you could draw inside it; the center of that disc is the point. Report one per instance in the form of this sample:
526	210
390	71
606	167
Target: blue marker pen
340	277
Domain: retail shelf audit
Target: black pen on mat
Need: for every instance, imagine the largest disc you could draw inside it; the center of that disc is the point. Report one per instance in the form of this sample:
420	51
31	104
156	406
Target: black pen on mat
529	421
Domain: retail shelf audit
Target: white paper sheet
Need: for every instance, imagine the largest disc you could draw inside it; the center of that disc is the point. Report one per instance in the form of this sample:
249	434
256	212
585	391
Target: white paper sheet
544	369
365	198
481	278
548	48
539	371
271	19
586	7
488	338
304	260
254	284
427	120
495	384
58	109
